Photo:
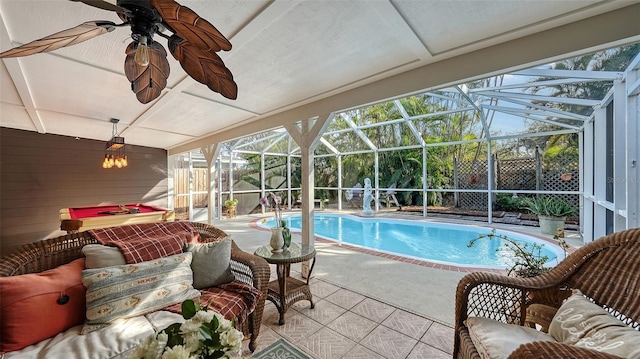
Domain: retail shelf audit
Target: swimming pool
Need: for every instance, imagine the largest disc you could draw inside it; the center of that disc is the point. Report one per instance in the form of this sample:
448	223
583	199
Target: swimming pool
437	242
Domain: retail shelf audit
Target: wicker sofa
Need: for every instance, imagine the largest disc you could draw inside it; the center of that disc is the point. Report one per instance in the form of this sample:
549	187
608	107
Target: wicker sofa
606	271
52	253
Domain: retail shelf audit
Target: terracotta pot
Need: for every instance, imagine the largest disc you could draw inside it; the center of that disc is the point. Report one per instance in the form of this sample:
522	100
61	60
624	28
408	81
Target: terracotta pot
566	177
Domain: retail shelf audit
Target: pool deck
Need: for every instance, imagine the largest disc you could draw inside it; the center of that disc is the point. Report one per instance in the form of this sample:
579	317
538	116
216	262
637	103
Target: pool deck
420	287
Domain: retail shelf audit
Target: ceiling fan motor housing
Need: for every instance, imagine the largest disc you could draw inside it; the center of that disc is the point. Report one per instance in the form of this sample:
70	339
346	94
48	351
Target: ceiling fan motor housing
142	18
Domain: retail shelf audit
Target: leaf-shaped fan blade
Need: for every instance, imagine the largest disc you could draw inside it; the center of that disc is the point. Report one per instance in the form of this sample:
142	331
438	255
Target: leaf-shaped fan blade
100	4
147	82
191	27
204	66
72	36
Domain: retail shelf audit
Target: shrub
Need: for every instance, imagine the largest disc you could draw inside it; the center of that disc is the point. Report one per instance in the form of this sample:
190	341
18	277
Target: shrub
506	202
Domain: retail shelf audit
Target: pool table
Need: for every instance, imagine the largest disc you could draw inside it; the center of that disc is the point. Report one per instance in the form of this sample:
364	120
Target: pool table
115	215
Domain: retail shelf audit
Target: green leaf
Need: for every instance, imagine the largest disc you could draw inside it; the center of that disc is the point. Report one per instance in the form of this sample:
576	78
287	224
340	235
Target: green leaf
188	309
173	332
206	332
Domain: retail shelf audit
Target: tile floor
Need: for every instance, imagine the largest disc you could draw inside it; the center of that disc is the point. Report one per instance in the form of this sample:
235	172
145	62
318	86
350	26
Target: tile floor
346	324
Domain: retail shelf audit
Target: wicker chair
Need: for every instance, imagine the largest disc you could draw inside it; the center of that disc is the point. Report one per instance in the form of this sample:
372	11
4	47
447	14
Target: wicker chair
50	253
606	270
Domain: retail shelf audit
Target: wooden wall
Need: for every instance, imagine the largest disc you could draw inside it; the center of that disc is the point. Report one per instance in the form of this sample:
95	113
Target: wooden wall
42	173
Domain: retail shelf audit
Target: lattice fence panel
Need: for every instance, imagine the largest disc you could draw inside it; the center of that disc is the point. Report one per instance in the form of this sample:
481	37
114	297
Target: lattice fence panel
518	173
472	175
562	175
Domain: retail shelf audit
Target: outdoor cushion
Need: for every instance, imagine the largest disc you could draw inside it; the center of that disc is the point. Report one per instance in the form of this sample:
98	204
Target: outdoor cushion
116	341
33	307
497	340
585	324
211	263
99	256
125	291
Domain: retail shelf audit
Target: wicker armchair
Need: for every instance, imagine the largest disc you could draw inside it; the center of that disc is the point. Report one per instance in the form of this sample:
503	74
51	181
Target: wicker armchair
50	253
606	270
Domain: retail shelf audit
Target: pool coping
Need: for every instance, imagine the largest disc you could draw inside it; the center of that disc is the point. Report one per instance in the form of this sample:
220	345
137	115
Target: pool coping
421	262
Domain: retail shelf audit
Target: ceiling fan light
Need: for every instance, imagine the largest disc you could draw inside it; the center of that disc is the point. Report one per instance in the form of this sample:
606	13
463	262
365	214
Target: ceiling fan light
142	52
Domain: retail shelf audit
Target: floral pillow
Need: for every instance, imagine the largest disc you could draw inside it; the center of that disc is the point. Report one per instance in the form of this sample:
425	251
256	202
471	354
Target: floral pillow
134	289
585	324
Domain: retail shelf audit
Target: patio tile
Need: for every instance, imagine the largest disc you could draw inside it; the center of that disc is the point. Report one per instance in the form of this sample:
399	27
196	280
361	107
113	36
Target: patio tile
321	289
360	352
389	343
267	337
345	298
297	327
439	336
326	344
324	311
270	316
373	309
352	326
408	323
424	351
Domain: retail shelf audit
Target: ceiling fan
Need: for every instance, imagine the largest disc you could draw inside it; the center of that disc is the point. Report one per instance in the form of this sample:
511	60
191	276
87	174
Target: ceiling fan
193	42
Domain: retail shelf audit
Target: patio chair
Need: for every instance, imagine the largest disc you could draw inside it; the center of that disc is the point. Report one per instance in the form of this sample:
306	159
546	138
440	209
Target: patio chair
389	198
354	196
606	271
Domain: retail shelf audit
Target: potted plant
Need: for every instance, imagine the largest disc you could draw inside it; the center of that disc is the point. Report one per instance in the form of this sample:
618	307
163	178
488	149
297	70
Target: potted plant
277	240
231	205
551	212
528	260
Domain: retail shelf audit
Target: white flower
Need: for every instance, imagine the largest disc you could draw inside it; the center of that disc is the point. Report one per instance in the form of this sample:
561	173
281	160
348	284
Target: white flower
232	338
177	352
190	335
203	317
224	324
190	327
157	346
141	350
192	341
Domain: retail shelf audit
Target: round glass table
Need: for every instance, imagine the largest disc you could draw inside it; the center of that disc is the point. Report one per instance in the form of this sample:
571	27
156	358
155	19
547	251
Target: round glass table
285	291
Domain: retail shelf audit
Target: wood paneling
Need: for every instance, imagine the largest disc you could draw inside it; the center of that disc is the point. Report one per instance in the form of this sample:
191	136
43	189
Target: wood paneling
42	173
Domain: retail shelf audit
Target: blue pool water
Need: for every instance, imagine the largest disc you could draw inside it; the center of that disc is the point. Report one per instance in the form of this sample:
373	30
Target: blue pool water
437	242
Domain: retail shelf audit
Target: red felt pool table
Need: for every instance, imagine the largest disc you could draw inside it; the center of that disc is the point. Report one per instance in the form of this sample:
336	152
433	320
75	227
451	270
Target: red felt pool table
115	215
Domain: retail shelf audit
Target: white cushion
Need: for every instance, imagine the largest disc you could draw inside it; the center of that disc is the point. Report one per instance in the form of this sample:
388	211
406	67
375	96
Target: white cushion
585	324
126	291
113	342
497	340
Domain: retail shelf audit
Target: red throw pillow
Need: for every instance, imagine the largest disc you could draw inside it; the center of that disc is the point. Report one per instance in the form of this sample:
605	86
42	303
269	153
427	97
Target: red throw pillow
38	306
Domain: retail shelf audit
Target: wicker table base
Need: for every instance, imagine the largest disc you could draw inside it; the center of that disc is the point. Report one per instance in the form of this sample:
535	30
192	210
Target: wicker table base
293	289
285	291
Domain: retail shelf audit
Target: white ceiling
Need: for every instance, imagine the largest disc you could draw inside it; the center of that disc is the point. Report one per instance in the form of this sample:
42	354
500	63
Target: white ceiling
290	59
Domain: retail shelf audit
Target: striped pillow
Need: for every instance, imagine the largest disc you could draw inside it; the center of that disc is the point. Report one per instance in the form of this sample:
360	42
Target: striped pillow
134	289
